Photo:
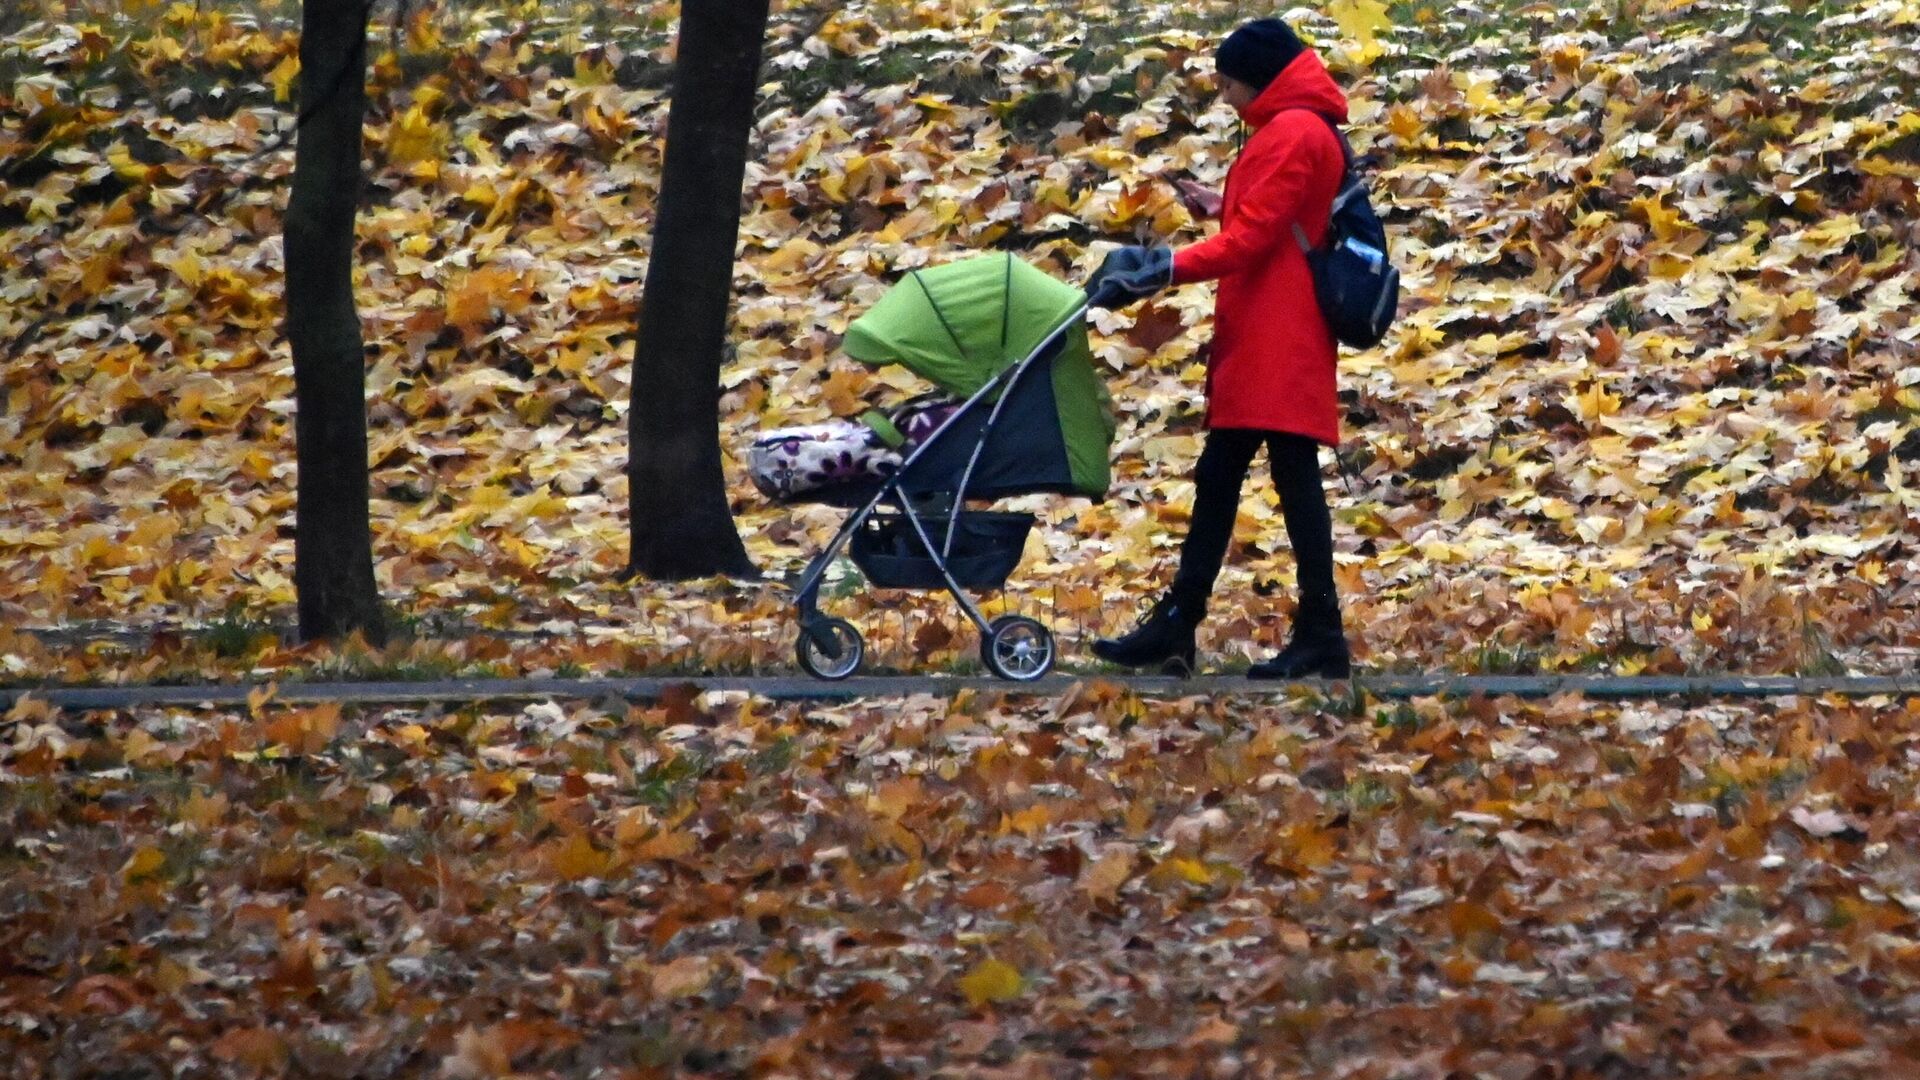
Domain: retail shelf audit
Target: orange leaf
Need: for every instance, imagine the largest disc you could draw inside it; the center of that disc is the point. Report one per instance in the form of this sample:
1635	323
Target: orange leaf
1103	878
842	390
575	859
1606	348
256	1048
665	846
683	978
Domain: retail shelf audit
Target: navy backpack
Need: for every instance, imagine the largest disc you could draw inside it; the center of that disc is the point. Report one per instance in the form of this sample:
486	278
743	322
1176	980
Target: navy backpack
1358	287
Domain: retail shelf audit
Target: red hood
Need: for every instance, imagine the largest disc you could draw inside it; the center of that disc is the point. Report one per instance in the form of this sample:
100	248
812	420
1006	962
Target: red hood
1303	84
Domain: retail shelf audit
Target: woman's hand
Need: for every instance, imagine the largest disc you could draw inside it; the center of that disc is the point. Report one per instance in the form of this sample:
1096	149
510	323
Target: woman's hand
1201	201
1128	274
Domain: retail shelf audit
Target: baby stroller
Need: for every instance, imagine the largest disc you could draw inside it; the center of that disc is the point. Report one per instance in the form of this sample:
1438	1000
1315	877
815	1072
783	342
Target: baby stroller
1010	343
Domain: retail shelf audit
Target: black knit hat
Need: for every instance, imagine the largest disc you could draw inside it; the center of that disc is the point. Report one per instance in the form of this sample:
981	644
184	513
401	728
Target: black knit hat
1258	51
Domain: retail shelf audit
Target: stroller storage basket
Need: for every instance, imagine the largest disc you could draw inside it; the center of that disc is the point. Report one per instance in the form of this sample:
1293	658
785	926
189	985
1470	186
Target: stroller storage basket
986	547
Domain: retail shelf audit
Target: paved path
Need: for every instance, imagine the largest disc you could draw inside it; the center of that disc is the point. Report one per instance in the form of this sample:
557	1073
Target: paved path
796	688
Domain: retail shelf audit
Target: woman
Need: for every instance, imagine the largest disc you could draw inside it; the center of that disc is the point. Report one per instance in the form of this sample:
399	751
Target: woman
1270	380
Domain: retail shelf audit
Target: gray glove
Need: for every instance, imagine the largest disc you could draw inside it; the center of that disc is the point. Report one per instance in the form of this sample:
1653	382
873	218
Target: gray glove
1128	274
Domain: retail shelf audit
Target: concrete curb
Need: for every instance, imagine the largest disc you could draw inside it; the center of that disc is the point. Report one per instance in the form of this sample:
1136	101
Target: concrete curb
778	688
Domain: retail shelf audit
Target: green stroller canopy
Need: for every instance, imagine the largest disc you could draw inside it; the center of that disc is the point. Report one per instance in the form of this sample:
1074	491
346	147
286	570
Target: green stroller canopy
960	324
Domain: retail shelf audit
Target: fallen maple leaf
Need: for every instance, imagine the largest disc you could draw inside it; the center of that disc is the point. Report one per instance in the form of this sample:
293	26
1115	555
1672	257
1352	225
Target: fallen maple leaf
683	978
262	1050
994	981
1824	823
1102	878
143	863
575	858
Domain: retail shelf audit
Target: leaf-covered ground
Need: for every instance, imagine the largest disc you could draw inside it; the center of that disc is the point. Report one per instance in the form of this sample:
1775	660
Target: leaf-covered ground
1650	405
1090	886
1650	409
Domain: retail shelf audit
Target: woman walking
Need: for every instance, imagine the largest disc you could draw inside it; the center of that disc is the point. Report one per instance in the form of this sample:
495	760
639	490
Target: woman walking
1270	380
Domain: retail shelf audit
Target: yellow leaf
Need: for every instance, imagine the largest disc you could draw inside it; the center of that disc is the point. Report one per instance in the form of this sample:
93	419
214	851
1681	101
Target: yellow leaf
124	166
415	137
593	70
1361	21
144	863
480	193
1593	403
1667	223
1404	122
1192	871
282	76
992	981
1479	96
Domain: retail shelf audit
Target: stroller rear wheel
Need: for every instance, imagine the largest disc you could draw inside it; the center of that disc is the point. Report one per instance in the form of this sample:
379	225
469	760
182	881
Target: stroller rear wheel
830	649
1017	648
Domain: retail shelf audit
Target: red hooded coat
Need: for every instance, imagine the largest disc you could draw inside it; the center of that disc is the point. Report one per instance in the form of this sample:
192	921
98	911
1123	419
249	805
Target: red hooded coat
1272	366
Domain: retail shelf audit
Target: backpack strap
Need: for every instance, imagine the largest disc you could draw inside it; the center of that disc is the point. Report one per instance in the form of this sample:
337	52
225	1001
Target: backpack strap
1348	187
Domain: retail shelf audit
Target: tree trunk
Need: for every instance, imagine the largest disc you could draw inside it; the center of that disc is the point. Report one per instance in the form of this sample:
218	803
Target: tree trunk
681	525
333	541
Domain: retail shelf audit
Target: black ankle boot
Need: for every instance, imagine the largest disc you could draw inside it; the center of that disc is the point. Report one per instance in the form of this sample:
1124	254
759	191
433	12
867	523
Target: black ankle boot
1164	636
1318	649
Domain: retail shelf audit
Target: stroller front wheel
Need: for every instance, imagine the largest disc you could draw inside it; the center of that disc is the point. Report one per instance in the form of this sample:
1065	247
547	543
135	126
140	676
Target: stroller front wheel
1017	648
830	649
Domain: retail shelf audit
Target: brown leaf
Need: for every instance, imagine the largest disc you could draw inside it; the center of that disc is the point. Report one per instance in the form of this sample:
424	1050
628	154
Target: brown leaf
1155	325
987	896
257	1048
930	638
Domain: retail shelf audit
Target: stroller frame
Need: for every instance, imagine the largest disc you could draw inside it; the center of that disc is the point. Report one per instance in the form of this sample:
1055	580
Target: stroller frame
1012	646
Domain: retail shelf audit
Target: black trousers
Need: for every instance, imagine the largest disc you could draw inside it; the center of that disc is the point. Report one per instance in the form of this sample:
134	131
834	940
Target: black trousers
1222	470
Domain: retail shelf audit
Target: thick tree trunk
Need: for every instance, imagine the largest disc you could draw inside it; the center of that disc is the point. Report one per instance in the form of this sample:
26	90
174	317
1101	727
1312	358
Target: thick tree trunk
681	525
333	542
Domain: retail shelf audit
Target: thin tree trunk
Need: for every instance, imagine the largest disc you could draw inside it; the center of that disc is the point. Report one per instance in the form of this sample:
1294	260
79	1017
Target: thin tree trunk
681	524
333	542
